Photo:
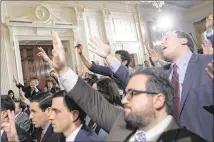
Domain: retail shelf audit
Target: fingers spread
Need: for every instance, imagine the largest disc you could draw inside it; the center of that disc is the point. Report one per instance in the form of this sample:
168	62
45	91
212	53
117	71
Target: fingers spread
92	45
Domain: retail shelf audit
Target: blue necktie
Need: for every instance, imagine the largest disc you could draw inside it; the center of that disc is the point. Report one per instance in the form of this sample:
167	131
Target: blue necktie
140	137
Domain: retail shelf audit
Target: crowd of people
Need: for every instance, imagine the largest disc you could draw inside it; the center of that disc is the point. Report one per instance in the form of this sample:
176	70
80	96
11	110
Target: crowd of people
160	100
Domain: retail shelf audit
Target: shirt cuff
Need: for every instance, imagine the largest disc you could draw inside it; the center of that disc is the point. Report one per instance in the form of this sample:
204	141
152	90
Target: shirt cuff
68	80
115	65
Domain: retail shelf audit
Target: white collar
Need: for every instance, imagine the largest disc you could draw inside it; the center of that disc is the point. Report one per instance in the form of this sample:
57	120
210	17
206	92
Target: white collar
46	128
154	133
73	135
183	60
17	114
2	131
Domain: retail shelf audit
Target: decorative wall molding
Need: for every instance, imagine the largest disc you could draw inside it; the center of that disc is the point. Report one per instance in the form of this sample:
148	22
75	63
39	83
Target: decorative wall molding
79	12
106	14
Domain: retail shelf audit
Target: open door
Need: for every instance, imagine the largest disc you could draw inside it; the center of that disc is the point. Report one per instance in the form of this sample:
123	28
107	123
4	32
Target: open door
34	66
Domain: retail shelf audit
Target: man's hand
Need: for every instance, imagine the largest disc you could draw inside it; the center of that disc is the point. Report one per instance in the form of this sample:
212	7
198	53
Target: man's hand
98	47
43	54
207	47
14	80
10	128
152	53
58	52
79	49
210	70
79	71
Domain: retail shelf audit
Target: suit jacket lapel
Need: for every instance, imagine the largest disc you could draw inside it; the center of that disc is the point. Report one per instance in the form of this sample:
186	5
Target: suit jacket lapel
4	137
48	132
188	80
81	134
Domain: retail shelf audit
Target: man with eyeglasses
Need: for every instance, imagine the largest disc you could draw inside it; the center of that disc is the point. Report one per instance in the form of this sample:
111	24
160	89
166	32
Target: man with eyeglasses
147	105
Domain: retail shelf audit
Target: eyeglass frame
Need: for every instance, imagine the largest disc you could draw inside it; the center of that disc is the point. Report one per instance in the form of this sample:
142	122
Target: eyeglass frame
132	92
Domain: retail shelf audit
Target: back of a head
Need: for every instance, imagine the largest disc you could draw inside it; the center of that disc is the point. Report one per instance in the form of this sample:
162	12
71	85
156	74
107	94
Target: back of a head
91	80
44	100
71	105
124	55
7	103
190	42
158	82
109	89
22	105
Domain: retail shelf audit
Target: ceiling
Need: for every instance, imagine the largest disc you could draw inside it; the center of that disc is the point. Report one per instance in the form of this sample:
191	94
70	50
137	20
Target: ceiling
185	4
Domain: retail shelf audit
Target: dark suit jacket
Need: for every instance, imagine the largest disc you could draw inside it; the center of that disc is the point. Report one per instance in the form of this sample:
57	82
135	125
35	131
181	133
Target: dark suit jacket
106	71
85	134
27	90
22	135
23	121
49	136
197	92
106	115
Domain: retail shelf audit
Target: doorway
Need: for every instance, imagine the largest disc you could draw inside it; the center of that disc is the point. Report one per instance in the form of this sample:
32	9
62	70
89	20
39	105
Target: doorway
34	66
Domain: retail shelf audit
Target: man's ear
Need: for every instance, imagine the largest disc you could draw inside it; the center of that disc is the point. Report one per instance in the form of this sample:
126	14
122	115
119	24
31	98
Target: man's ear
184	41
74	115
159	101
48	111
124	62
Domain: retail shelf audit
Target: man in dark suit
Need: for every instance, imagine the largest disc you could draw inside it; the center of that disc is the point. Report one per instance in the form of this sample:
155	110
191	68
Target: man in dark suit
73	127
40	109
147	105
193	86
122	55
8	104
21	118
30	90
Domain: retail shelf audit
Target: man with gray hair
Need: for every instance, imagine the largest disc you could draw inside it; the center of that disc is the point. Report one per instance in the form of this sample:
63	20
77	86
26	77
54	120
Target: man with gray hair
147	105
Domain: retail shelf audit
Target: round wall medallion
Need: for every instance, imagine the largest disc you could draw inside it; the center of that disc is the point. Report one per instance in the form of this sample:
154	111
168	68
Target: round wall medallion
42	13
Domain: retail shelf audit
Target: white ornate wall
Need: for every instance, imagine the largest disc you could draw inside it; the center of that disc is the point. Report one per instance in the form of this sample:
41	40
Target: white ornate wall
76	22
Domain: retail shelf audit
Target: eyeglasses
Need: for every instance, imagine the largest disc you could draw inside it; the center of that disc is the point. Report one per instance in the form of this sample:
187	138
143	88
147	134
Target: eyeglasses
131	92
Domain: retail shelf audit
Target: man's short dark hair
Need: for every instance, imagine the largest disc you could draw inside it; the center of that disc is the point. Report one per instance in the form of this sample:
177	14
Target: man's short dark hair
190	42
158	82
7	103
71	105
44	99
22	105
124	55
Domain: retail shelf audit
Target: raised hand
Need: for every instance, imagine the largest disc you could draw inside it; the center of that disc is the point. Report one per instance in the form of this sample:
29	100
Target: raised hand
99	48
79	48
79	71
14	80
10	128
210	70
207	47
58	52
152	53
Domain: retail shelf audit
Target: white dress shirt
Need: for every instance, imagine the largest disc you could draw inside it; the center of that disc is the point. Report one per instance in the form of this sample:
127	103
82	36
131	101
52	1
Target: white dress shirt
154	133
68	80
2	131
72	137
182	64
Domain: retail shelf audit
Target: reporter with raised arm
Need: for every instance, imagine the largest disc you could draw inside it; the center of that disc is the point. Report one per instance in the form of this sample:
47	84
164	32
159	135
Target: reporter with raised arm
103	50
122	55
147	105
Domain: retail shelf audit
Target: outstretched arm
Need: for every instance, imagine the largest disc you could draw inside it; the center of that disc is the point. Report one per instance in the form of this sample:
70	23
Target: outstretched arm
91	101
